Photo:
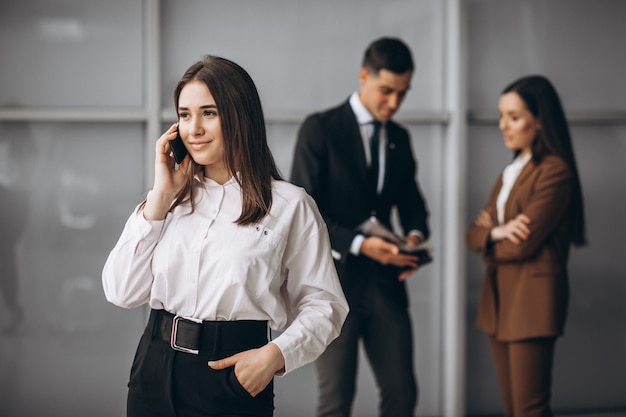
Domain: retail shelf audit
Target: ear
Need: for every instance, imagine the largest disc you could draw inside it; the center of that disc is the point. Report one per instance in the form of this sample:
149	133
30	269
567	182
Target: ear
363	76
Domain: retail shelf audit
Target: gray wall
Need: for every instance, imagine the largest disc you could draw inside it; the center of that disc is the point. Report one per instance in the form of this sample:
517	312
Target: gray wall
74	97
575	44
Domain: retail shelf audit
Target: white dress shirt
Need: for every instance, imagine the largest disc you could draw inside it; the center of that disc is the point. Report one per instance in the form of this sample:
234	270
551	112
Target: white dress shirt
509	176
205	266
364	118
365	121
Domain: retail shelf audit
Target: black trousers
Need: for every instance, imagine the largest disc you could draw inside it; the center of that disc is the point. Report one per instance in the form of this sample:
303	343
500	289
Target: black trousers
384	327
168	383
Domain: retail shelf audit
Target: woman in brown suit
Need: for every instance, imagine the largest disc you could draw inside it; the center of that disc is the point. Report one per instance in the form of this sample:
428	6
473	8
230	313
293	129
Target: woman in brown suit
534	212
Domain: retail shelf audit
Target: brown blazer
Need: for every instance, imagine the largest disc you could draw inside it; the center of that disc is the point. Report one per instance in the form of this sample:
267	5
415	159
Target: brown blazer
525	289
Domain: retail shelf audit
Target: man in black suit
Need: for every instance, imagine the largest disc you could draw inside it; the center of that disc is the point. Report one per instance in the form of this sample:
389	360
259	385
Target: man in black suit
350	182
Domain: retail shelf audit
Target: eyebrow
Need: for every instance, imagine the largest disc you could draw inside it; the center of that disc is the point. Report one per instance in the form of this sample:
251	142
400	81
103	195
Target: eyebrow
393	89
206	106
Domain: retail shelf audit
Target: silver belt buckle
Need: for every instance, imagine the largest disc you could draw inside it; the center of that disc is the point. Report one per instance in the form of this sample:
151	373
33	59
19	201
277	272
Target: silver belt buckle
175	331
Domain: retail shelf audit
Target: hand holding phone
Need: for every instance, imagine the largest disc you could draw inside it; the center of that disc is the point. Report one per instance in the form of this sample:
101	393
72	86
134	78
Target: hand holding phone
178	147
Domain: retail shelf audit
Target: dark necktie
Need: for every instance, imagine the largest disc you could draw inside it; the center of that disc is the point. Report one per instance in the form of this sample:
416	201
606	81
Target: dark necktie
373	170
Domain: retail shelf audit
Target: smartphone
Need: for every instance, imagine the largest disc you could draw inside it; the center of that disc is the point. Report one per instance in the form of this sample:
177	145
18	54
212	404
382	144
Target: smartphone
178	148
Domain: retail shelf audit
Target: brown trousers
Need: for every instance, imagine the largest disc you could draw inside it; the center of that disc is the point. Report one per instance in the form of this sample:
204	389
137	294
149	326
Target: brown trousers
524	371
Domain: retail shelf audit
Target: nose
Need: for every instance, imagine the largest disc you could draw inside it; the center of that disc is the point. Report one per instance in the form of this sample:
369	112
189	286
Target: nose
394	101
196	126
502	124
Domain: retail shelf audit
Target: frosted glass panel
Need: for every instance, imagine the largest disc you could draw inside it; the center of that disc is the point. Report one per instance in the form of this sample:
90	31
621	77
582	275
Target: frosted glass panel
66	192
576	43
595	326
62	53
597	279
303	55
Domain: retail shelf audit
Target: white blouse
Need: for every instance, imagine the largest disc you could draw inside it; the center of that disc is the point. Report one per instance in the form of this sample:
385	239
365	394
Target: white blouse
205	266
509	176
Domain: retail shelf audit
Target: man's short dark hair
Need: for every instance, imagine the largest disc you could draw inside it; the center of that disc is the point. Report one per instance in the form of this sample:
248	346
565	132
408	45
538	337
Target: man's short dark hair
388	53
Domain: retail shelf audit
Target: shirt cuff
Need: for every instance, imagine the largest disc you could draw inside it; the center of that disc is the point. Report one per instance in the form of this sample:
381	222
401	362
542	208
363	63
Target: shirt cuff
147	229
290	360
355	247
418	234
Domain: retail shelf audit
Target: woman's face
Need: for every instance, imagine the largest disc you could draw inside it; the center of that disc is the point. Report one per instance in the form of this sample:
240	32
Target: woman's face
201	129
518	125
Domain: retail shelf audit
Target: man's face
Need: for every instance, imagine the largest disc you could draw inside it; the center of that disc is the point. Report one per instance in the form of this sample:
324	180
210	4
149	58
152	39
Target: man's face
383	93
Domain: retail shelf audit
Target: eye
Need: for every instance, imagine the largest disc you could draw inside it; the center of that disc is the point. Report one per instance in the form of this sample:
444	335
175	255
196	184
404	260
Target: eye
210	113
183	115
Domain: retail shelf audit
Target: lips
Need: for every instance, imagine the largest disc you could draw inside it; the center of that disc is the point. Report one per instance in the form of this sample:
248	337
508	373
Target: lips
198	145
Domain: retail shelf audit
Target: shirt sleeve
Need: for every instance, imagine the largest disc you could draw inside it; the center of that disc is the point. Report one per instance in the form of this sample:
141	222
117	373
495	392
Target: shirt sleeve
127	273
312	290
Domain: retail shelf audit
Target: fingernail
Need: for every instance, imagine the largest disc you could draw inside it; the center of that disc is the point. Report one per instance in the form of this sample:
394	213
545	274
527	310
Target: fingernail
211	363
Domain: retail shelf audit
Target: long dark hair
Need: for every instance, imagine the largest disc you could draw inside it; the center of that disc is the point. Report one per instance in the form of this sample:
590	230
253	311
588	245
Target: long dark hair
243	128
553	138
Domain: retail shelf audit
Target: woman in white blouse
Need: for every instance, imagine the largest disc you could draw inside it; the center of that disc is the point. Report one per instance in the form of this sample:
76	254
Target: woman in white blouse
524	233
222	249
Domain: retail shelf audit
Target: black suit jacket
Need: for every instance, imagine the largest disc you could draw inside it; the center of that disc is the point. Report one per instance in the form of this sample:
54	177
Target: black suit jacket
329	162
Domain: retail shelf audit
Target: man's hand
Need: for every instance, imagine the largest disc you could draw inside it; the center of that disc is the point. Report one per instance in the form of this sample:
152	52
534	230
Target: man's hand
389	254
413	240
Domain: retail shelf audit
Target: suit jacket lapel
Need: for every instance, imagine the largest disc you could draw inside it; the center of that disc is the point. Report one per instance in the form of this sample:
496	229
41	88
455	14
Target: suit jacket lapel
350	145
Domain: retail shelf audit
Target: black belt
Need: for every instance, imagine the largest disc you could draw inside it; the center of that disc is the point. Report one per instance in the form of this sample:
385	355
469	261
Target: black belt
196	336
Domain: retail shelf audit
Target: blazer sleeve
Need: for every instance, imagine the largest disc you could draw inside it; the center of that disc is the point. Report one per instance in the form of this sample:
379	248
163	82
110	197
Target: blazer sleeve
546	206
477	237
411	203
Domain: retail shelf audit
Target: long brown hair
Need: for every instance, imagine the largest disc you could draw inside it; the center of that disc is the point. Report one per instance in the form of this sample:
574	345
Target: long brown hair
243	127
553	138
